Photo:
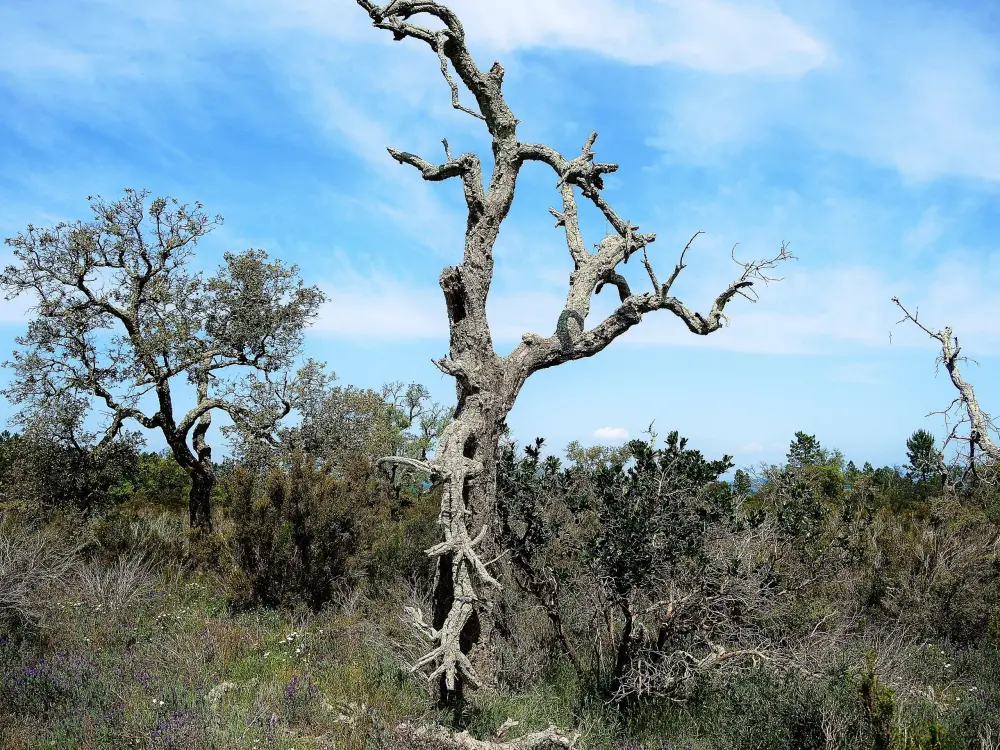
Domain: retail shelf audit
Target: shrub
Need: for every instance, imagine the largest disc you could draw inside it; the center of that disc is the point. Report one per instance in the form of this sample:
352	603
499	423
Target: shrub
114	586
301	532
643	560
43	474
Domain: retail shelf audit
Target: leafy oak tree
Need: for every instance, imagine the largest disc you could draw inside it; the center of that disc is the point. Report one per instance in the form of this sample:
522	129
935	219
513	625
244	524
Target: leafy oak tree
120	319
487	384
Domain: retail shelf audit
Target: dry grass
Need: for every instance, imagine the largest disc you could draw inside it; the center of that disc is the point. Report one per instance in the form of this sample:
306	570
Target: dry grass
32	562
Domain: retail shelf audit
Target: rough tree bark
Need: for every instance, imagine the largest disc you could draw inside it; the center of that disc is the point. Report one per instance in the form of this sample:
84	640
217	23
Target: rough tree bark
488	384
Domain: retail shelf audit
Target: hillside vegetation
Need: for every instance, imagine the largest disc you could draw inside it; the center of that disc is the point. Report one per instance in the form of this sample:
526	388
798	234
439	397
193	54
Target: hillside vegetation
646	603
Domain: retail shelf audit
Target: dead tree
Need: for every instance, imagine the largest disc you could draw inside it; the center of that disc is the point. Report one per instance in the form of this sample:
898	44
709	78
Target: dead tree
487	383
980	423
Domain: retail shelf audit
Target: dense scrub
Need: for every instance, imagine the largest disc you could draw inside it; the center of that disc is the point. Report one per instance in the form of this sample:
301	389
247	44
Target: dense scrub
648	603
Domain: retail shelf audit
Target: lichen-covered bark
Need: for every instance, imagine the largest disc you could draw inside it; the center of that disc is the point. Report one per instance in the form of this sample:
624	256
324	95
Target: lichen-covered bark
488	384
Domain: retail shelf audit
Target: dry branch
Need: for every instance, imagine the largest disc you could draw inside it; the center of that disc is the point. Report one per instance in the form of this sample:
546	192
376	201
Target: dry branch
438	738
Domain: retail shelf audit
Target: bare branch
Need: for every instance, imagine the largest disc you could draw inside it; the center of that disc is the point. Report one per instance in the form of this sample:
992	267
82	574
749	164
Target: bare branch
568	219
466	166
441	737
442	38
485	87
981	424
680	264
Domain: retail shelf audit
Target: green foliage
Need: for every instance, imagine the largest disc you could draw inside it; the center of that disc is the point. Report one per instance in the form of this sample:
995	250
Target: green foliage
397	550
44	473
654	512
798	499
923	457
300	533
805	450
742	484
878	703
598	542
161	482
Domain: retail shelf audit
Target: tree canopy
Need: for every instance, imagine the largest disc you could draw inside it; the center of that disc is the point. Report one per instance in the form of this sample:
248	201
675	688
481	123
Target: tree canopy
120	316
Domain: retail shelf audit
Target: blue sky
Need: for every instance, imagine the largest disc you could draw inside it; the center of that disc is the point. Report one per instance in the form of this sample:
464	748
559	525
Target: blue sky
864	134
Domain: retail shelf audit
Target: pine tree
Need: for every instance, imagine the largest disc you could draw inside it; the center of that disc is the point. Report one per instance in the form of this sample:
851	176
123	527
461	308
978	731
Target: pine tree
805	450
922	455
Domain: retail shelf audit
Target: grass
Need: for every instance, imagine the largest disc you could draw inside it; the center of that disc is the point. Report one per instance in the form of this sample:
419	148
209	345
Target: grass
171	667
121	651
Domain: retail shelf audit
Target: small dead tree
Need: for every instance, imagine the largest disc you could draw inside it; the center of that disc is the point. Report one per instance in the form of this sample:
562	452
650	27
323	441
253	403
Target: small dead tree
120	316
487	383
970	413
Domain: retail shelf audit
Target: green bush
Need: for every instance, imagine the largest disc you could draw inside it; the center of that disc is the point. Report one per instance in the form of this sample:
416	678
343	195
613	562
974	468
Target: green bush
43	474
301	532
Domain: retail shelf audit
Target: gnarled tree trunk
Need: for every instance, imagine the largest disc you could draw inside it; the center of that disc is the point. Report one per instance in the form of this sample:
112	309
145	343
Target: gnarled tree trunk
197	463
487	384
200	499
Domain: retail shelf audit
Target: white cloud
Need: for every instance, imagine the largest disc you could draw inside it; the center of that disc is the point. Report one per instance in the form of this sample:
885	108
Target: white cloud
753	447
811	311
919	93
611	433
709	35
916	91
374	306
723	37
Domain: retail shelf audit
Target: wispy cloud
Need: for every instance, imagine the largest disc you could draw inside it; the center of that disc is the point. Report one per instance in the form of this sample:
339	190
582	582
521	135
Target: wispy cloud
811	311
916	91
611	433
711	35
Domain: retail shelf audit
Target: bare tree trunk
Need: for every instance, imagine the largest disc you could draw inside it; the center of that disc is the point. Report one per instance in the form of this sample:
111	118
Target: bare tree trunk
202	477
467	453
197	463
623	656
